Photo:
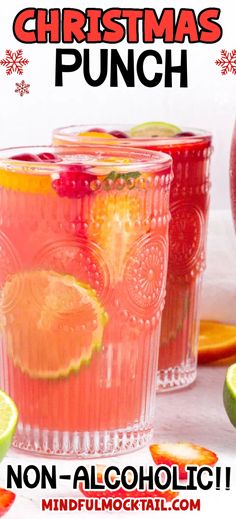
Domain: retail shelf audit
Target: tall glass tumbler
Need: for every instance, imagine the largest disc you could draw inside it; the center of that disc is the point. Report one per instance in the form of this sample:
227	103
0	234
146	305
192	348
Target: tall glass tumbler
83	263
233	175
189	203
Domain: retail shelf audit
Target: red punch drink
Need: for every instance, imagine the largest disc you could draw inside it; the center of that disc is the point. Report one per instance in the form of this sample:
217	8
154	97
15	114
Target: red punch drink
189	203
83	264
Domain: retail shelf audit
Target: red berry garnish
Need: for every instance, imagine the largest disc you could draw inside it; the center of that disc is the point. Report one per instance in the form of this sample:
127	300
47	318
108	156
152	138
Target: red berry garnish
74	182
185	134
97	130
119	134
49	157
27	157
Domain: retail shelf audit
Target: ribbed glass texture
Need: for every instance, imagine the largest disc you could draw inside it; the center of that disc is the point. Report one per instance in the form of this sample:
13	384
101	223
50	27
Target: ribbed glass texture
189	203
188	232
113	241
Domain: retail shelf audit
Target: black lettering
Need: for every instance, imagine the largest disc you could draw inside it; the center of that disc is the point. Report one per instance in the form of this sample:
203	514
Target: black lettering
62	67
180	69
127	72
81	474
140	68
103	68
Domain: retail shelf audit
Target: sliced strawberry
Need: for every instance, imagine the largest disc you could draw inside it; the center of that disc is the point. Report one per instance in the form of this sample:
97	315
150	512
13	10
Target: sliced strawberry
182	454
7	498
121	493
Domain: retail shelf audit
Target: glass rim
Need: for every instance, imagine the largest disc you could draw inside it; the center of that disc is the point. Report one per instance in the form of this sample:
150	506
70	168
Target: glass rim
70	133
87	155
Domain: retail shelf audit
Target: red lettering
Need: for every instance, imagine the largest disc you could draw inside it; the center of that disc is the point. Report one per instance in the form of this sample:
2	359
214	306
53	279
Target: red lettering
114	31
48	29
133	16
94	18
213	31
187	26
20	32
159	28
47	505
73	24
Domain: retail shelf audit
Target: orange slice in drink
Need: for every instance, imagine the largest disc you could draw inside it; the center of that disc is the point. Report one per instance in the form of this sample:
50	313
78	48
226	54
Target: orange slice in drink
217	342
114	225
18	179
53	326
97	135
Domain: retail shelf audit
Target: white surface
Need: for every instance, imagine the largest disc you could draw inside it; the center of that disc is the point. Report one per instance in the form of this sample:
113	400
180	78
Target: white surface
208	102
195	414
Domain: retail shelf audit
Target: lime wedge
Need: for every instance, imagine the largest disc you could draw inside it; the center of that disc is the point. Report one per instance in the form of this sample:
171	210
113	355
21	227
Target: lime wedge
154	129
229	394
8	422
65	323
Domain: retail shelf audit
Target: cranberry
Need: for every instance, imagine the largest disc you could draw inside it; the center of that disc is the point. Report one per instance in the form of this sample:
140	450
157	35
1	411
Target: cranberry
74	182
119	134
27	157
185	134
49	157
97	130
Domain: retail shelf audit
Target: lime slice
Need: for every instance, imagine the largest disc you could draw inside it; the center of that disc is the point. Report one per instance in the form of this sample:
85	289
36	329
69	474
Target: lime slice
154	129
8	422
229	394
55	324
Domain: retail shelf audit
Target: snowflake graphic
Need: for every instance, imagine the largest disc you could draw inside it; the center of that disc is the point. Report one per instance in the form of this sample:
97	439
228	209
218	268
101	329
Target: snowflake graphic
22	88
227	62
14	62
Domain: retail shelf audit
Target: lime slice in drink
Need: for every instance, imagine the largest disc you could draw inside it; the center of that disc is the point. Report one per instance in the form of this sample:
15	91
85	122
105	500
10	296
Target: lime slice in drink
54	325
8	422
154	129
229	394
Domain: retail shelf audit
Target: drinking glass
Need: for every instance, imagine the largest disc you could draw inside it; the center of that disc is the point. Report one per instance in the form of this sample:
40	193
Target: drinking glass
189	203
83	263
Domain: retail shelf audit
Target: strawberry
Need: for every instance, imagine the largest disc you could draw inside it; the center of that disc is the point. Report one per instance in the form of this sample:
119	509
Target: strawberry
7	498
121	493
182	454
